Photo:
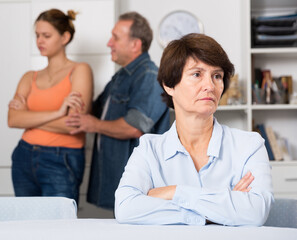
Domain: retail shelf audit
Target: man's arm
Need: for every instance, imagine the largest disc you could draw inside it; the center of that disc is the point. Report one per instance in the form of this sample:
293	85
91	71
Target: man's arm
119	128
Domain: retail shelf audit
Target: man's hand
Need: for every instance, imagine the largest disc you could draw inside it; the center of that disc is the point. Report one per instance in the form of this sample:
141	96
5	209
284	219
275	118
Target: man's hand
243	184
83	122
166	193
73	101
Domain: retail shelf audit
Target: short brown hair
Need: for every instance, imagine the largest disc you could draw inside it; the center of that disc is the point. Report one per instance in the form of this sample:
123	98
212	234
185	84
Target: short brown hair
196	46
61	22
140	28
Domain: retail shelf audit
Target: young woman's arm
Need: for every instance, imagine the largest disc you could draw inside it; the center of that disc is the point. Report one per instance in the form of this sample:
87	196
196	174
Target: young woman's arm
20	117
82	82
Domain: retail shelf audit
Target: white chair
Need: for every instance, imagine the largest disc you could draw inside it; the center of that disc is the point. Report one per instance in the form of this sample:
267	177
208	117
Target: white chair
37	208
283	213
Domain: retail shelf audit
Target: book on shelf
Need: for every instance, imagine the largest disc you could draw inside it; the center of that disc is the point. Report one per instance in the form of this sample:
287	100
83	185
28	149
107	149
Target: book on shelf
262	131
277	148
284	146
266	85
257	91
287	86
271	90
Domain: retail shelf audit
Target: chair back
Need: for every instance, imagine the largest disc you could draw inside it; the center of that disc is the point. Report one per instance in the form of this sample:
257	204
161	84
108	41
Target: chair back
283	213
37	208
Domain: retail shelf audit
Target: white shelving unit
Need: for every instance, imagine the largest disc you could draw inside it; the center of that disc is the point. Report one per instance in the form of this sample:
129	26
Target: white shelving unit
284	179
281	117
281	61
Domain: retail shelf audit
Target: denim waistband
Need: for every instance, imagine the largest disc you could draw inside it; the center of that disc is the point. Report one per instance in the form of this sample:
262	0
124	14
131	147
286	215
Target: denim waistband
56	150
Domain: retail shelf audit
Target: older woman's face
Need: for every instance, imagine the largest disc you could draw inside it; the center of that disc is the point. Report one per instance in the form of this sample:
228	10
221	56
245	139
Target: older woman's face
199	90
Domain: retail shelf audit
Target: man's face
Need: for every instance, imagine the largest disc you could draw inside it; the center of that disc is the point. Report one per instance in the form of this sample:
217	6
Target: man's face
121	44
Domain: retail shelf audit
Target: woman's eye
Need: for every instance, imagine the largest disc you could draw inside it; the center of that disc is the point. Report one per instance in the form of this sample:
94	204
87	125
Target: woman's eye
196	74
218	76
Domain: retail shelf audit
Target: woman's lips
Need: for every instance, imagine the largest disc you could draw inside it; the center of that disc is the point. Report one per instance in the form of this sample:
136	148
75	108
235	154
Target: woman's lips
207	99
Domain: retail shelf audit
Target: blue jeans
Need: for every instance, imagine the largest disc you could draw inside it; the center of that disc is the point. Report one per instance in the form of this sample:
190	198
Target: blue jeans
47	171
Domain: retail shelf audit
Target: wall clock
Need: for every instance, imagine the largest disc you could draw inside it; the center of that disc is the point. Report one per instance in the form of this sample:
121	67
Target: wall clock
177	24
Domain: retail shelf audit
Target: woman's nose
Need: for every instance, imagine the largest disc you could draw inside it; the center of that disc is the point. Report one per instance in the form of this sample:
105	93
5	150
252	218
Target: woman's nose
208	83
38	39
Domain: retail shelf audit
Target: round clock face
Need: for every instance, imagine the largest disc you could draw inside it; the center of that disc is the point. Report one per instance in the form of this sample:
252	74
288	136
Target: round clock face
177	24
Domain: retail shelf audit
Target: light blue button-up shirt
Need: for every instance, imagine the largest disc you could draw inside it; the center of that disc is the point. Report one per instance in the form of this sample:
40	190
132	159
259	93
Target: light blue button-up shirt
161	160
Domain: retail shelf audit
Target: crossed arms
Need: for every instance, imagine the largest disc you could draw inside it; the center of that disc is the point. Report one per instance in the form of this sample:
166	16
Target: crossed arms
154	191
79	100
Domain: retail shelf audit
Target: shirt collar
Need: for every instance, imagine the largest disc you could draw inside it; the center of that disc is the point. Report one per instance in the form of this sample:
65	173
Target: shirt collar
215	142
131	67
174	146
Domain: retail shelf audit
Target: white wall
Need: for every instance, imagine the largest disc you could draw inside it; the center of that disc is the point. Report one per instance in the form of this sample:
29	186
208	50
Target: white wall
20	54
14	61
222	19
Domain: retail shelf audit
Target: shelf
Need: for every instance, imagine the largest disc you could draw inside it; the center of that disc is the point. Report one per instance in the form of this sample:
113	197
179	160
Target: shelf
287	50
232	108
274	107
283	163
281	60
273	4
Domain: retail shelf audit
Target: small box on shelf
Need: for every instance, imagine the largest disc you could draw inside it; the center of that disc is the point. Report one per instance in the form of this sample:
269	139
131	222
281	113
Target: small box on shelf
274	31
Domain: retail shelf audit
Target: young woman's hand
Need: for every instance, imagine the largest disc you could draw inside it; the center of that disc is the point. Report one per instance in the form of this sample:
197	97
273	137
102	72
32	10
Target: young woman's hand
18	103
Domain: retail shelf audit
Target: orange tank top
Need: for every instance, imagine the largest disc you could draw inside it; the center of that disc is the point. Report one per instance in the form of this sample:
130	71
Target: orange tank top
50	99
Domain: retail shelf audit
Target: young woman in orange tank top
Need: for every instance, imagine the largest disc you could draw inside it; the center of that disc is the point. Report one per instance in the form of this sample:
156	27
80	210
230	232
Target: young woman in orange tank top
49	161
